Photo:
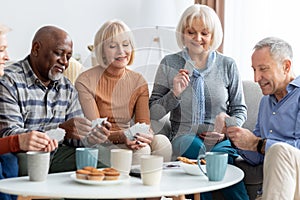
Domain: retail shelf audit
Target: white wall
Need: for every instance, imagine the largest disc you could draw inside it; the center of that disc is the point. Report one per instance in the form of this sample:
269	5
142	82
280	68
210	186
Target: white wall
81	19
249	21
246	22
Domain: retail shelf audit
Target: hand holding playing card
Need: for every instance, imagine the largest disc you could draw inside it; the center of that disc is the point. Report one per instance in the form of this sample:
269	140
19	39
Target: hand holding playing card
99	132
220	125
57	134
230	121
98	121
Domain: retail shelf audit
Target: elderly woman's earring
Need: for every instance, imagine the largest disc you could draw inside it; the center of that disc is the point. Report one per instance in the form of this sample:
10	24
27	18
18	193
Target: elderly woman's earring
104	60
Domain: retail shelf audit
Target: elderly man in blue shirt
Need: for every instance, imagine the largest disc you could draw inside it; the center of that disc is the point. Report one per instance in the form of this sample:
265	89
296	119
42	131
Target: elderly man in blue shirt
276	137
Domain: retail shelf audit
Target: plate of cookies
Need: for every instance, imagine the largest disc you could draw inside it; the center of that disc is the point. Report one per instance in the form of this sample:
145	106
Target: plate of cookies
191	167
94	176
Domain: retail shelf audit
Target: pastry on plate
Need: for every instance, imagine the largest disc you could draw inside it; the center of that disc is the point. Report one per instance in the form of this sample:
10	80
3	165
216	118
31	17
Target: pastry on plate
82	174
111	174
96	176
91	169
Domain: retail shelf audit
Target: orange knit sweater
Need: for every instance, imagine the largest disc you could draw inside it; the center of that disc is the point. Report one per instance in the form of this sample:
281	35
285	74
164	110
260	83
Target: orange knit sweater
119	98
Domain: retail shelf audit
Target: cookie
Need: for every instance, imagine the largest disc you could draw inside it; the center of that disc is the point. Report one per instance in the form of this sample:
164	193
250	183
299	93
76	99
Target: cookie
89	168
186	160
96	176
111	174
82	174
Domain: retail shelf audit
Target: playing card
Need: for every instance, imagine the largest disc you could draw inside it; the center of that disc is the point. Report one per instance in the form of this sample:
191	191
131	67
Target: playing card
189	66
98	121
137	128
129	134
230	121
140	128
57	134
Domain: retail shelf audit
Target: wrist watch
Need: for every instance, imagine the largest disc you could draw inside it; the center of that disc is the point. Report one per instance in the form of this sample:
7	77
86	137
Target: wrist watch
261	146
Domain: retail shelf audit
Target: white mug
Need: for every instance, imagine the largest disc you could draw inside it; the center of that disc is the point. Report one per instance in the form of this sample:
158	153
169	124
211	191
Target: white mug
38	165
151	169
121	160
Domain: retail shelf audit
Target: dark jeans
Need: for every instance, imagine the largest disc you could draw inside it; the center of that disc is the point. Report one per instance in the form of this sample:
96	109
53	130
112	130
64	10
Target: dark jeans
8	168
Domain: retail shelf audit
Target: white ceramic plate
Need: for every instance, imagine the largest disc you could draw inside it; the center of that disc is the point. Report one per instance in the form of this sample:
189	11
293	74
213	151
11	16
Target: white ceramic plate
122	179
192	169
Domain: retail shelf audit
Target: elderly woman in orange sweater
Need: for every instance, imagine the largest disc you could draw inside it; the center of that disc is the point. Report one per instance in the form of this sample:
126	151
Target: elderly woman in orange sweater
112	90
33	140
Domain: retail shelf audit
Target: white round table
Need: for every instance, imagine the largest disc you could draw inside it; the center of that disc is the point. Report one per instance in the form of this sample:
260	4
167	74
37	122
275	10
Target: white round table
174	182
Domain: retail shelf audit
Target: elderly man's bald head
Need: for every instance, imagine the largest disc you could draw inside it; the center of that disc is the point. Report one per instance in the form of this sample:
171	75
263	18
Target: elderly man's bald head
49	33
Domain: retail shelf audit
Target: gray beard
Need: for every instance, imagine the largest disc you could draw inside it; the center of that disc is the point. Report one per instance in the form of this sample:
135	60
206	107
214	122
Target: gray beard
54	77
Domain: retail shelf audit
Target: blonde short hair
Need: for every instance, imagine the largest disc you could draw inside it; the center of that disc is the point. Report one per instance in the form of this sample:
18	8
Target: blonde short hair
210	19
110	30
4	29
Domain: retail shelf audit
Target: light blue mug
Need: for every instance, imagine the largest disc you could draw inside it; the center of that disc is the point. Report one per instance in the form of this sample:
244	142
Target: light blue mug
86	157
216	165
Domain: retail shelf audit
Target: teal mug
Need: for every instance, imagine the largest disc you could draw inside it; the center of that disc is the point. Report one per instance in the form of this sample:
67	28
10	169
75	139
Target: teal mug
86	157
216	165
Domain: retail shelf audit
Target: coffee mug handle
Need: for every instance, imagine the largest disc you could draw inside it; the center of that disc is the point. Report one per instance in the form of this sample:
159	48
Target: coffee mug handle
201	156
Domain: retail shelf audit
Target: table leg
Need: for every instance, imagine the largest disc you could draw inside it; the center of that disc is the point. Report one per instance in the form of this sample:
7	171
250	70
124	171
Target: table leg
179	197
23	198
197	196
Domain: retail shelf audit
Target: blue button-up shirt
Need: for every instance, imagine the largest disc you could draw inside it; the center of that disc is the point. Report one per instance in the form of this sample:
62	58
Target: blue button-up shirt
278	121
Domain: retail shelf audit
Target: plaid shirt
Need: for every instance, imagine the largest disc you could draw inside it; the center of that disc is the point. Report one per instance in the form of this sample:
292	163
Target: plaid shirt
26	104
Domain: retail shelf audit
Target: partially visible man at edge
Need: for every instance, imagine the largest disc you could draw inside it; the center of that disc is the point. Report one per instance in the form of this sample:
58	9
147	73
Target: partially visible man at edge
33	140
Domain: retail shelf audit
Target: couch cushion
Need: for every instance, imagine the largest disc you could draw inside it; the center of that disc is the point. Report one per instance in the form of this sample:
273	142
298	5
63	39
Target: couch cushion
253	174
253	95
